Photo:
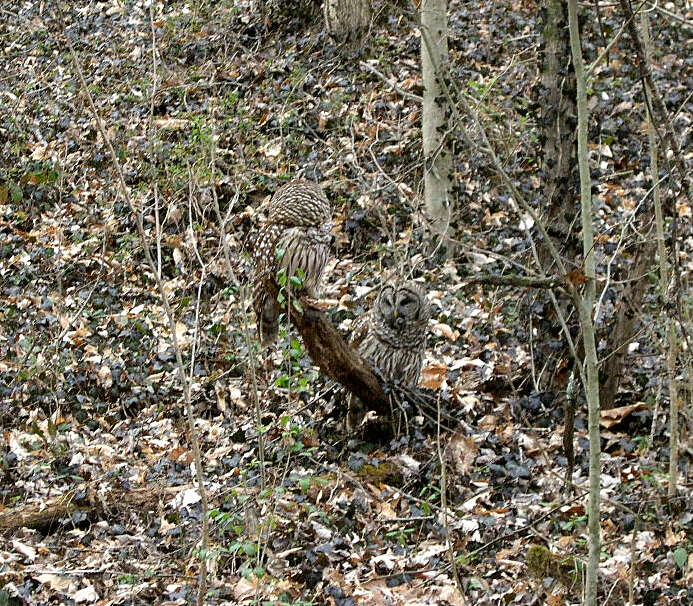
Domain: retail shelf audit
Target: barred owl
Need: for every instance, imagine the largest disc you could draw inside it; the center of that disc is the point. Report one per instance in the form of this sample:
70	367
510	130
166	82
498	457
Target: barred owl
295	238
392	337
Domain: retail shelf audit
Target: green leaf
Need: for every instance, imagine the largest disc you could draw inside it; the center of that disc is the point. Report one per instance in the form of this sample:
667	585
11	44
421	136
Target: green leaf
15	193
680	557
250	549
296	281
298	307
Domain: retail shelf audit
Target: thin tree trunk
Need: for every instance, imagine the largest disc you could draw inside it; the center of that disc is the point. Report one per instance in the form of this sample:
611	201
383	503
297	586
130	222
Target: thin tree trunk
558	115
556	96
622	332
437	156
672	344
586	305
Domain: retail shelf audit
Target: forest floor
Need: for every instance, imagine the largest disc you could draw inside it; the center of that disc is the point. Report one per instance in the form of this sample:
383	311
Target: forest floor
213	101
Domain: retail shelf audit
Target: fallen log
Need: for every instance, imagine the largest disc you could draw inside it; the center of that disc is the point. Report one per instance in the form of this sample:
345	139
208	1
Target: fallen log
90	504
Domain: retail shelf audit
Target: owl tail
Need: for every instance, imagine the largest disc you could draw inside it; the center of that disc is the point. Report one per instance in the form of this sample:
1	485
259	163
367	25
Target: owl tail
267	313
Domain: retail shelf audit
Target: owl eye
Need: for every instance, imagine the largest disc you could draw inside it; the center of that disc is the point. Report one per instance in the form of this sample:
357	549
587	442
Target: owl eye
386	298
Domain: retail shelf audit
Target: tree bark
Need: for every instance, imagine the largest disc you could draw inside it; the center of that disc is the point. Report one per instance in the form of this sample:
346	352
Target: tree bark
670	328
328	350
337	360
556	99
624	329
586	307
437	156
558	121
347	20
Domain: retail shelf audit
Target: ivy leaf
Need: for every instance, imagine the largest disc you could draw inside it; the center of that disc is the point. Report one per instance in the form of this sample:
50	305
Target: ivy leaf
680	557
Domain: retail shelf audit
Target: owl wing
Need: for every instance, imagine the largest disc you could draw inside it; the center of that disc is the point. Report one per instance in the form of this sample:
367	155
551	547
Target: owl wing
265	268
360	330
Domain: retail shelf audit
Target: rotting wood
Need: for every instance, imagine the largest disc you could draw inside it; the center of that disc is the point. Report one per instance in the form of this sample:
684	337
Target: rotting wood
96	505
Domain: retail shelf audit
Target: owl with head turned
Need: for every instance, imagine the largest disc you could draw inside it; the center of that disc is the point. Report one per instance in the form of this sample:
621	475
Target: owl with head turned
392	337
294	240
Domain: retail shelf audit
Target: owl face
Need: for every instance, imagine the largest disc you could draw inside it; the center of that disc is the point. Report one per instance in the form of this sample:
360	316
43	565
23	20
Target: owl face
400	306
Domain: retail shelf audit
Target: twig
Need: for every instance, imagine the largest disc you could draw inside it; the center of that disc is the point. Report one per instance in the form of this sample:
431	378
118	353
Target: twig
384	78
444	503
653	98
668	13
515	280
125	195
606	50
526	527
672	349
251	358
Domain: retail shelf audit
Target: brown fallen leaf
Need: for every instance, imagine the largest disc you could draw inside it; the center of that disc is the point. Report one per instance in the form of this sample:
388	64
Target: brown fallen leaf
446	331
576	277
171	123
433	375
613	416
463	452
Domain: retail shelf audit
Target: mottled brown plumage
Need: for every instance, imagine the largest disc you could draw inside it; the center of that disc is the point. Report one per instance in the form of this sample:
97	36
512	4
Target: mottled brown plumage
392	337
295	238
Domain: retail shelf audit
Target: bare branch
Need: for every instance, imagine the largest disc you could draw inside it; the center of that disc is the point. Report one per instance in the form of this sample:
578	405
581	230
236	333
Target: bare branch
390	83
655	102
515	280
125	195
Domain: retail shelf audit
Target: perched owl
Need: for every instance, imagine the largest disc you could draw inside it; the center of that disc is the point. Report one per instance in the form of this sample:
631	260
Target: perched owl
295	238
392	337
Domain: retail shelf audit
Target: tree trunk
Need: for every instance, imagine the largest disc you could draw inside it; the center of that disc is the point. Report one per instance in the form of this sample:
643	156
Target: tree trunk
670	329
557	121
437	156
347	20
586	305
